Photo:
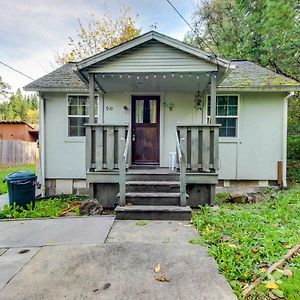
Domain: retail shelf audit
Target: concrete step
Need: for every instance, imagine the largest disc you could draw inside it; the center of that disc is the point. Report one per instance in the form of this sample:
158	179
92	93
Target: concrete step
153	198
153	186
153	212
143	176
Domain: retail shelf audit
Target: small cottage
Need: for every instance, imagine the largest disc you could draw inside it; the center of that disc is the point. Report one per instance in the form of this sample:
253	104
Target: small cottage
154	125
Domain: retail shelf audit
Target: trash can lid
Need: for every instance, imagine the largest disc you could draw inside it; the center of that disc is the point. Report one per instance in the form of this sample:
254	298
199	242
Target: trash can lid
20	176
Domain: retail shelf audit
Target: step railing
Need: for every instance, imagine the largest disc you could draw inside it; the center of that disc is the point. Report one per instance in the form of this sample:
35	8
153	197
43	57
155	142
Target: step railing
201	146
181	155
103	146
123	158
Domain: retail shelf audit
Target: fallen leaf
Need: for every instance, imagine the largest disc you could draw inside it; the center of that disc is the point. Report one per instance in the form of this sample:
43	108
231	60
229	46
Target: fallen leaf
232	245
157	222
157	268
278	293
272	296
95	290
23	251
271	285
106	286
255	249
288	246
162	278
263	270
141	223
226	238
287	272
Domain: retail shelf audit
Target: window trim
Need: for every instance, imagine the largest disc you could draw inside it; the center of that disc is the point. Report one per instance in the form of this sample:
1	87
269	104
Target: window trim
78	138
227	138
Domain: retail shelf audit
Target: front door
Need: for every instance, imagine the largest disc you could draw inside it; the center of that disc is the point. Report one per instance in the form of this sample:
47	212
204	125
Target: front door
145	129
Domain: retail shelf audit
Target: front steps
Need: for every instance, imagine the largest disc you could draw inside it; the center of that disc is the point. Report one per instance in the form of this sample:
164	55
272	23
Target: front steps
153	212
152	196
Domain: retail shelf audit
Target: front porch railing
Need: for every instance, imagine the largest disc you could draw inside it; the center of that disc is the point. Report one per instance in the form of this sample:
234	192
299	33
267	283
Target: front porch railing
181	156
104	146
201	147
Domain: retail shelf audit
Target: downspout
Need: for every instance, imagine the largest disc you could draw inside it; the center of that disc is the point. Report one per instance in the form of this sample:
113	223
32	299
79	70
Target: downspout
42	149
284	137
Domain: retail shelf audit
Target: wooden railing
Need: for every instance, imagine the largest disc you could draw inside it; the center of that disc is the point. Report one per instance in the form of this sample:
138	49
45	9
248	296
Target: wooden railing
181	156
201	146
122	166
103	146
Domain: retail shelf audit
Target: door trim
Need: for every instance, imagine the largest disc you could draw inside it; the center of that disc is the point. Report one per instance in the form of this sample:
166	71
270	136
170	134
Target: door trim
143	96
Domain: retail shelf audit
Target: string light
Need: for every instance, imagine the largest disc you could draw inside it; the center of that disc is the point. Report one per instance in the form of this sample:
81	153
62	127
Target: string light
172	75
146	76
164	76
120	76
129	76
181	76
137	77
154	75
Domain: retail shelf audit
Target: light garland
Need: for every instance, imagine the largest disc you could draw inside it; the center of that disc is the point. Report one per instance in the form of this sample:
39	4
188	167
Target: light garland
164	76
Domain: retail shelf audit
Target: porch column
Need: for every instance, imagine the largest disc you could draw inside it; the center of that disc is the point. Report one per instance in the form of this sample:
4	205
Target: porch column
91	98
213	97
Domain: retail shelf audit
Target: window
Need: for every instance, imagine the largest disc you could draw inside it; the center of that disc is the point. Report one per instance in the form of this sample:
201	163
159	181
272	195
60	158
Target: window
227	114
146	111
78	114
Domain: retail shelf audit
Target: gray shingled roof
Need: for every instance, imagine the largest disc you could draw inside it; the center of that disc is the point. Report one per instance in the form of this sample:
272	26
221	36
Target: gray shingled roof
250	75
246	75
62	78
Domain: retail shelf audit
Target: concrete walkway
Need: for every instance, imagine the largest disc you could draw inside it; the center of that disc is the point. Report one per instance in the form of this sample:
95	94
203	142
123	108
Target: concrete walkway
120	266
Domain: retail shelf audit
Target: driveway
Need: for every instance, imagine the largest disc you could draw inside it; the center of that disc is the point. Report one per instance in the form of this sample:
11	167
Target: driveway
116	265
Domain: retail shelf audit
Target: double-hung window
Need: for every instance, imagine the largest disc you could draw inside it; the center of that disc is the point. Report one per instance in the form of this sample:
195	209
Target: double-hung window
78	114
226	114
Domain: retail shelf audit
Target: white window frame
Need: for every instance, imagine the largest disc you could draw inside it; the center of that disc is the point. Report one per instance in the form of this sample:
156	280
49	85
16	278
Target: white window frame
79	138
227	117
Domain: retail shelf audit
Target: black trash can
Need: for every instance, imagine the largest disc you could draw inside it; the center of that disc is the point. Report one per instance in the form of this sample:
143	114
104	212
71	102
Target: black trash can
21	188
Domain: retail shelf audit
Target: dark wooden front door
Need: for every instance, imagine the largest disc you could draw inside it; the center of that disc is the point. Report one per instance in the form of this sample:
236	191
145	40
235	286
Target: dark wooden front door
145	129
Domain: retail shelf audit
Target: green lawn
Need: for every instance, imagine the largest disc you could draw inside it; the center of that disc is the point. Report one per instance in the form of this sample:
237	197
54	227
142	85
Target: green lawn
246	239
5	171
45	208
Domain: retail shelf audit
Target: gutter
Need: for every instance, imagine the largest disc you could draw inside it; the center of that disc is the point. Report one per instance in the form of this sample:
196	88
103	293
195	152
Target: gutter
42	148
284	137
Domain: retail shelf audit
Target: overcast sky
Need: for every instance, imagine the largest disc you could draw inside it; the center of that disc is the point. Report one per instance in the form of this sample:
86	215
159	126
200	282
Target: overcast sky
33	31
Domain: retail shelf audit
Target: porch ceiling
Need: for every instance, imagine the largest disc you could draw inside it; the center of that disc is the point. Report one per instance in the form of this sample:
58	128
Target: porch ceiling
154	82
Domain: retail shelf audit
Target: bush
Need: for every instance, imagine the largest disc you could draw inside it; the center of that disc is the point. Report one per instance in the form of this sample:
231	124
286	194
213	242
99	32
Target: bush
294	147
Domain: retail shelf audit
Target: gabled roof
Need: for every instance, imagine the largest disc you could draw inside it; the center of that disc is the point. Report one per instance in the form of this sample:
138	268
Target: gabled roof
246	76
152	35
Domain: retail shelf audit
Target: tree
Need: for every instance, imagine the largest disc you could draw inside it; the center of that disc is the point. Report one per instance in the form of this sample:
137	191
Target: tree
266	32
20	108
100	33
4	87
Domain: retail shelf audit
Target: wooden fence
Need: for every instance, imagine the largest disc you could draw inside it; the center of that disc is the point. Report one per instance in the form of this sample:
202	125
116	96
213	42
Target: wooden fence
15	152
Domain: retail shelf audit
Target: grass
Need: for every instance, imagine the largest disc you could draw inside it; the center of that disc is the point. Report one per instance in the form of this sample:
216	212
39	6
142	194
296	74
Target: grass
6	171
44	208
245	239
291	285
293	171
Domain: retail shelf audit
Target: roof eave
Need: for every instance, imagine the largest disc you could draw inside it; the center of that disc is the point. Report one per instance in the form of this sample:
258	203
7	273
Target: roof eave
260	89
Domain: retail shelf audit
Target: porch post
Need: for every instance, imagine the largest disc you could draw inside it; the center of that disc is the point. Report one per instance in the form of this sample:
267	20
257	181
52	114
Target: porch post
91	98
213	97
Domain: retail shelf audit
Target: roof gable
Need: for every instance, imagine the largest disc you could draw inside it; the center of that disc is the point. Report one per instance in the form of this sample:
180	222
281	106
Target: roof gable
151	57
152	36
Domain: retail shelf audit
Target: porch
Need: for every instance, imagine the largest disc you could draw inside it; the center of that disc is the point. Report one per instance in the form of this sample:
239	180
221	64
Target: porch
157	85
151	191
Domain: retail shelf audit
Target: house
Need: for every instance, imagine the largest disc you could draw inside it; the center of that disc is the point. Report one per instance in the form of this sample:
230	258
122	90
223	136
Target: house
112	125
17	143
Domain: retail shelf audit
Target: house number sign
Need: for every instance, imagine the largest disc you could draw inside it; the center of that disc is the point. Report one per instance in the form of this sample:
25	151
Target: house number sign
109	108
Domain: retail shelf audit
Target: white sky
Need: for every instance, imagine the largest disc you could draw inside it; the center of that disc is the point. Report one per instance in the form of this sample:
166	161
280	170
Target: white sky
33	31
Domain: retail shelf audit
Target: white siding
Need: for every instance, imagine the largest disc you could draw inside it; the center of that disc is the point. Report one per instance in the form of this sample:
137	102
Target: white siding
154	57
252	156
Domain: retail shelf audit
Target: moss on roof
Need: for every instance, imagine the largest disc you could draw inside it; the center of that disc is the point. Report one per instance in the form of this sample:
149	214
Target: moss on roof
249	74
